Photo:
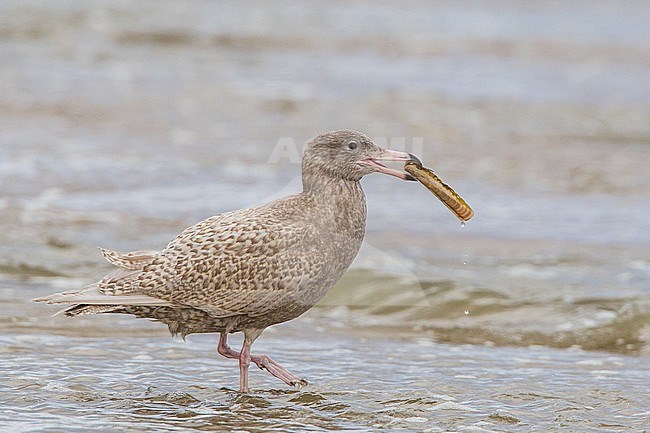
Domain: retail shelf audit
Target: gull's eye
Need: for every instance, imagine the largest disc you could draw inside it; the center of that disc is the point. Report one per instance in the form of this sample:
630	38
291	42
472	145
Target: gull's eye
352	145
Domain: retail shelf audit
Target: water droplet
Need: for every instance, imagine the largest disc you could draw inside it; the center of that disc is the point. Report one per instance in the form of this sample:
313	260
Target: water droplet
462	224
466	312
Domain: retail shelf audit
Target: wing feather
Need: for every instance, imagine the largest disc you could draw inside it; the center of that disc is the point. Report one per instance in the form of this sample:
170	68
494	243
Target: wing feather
237	264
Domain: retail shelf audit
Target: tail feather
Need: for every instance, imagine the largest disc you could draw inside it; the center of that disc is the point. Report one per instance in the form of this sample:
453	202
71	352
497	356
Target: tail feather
134	260
91	294
86	310
119	292
124	279
114	290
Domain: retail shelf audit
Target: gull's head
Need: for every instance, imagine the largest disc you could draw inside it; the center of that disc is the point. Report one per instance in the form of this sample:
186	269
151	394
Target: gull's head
349	155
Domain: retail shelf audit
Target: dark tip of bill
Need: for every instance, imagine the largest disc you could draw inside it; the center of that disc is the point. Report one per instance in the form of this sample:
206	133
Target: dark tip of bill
415	159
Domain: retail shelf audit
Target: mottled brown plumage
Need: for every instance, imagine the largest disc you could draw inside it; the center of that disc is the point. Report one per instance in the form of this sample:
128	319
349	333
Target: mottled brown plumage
248	269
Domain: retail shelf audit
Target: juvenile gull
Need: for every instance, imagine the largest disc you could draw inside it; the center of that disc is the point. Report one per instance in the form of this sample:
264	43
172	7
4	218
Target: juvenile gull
245	270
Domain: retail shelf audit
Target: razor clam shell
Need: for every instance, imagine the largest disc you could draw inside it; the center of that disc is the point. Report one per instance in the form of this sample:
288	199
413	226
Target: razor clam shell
444	192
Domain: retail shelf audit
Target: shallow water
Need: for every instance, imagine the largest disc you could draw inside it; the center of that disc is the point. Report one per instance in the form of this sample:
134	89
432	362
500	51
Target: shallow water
161	386
122	123
121	375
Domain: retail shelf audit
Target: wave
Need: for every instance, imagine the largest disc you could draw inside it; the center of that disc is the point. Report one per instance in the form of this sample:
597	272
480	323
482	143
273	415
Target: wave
454	312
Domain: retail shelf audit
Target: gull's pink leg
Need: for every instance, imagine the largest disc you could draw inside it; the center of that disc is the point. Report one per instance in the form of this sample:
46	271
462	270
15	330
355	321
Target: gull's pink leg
266	363
244	362
262	361
224	349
